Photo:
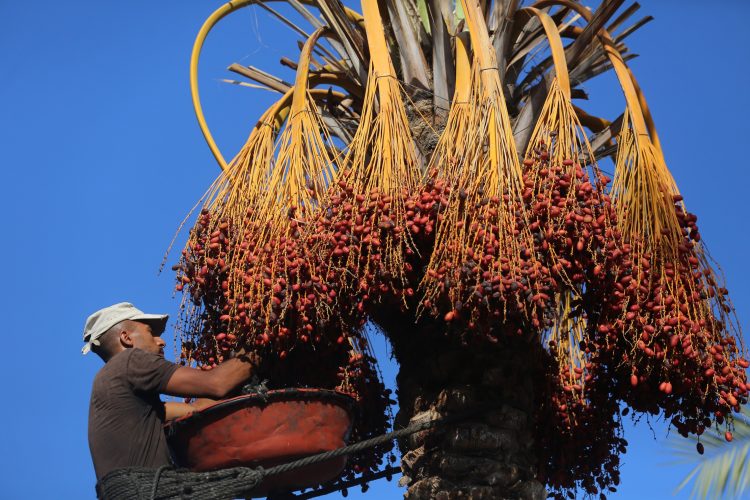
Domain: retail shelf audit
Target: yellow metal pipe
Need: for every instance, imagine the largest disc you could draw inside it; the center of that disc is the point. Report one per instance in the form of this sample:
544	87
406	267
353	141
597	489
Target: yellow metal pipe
212	20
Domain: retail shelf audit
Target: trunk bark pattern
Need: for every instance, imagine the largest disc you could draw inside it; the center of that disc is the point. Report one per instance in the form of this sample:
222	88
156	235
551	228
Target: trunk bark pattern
488	455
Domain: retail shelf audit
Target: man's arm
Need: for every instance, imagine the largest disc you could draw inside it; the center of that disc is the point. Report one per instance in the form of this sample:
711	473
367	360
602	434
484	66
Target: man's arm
216	383
176	410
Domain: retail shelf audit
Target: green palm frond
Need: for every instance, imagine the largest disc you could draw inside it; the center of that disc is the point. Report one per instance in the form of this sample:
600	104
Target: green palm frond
722	470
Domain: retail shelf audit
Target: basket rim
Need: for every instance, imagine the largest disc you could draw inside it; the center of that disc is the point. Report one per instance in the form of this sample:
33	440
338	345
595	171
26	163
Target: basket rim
263	399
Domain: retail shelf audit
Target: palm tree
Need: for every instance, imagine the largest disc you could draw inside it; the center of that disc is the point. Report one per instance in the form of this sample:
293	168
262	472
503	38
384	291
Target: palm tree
517	289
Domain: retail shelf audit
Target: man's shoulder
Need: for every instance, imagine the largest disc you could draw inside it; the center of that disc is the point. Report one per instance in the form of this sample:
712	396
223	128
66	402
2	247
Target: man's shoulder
140	369
148	371
119	359
140	360
116	365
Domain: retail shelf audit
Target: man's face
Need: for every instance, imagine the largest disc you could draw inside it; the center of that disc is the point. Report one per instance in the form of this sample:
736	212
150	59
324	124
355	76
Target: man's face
142	337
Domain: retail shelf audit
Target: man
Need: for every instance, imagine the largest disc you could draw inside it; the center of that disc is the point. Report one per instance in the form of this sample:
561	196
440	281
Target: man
126	414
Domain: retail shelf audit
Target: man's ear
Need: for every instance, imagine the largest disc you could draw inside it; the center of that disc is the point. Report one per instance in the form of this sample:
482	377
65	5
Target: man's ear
125	339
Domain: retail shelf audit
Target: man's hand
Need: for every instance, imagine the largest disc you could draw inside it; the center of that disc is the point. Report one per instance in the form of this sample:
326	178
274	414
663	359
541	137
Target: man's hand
248	357
242	353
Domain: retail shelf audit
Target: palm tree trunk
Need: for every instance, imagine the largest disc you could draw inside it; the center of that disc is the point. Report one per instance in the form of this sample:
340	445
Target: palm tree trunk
488	455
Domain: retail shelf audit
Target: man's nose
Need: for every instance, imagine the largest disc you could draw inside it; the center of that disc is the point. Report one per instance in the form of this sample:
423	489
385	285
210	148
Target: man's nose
160	342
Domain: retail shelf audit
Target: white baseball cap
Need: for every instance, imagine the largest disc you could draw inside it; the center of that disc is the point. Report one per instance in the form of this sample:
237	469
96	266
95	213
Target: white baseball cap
102	320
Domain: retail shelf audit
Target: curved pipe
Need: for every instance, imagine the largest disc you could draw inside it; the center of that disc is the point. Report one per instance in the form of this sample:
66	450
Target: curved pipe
212	20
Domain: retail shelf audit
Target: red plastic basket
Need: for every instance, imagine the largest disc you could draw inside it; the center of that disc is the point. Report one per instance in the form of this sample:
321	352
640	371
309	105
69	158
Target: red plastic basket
265	430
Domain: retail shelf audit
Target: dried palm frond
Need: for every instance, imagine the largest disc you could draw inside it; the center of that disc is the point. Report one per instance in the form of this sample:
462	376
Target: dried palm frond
444	70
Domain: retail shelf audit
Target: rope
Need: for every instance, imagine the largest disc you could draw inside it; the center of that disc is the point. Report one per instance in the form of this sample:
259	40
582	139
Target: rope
157	476
352	448
169	483
387	473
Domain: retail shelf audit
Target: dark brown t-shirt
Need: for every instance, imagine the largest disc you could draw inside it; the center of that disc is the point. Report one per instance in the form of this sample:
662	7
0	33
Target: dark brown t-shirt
126	414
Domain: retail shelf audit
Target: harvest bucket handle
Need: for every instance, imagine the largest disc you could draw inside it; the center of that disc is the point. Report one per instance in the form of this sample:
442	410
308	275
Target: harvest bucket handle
642	122
555	44
212	20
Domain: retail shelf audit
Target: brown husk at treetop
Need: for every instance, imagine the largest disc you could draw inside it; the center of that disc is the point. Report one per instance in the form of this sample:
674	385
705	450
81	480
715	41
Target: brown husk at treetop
610	285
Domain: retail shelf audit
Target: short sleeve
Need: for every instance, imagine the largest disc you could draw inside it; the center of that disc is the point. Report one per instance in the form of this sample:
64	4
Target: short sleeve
149	372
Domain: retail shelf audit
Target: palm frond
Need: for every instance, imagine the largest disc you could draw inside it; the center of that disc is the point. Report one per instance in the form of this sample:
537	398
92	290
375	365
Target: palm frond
722	470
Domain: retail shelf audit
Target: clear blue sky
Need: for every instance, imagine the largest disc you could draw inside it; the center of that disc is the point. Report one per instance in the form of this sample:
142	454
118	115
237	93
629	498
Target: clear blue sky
101	159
